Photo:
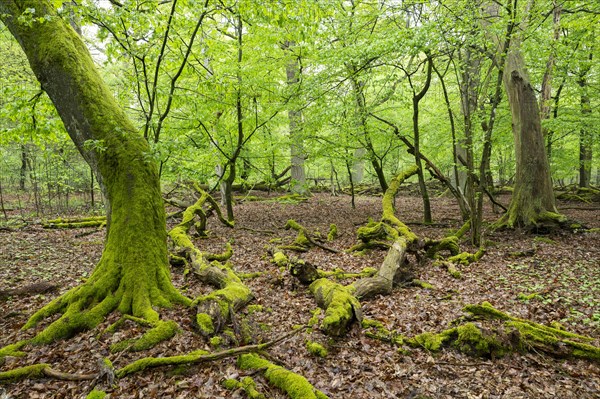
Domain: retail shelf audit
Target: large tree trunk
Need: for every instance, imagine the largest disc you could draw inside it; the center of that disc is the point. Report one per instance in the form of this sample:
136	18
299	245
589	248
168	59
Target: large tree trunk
533	197
132	275
532	201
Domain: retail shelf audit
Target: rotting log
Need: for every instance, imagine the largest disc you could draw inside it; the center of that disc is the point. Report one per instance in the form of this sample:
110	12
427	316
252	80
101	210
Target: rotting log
75	223
493	333
383	282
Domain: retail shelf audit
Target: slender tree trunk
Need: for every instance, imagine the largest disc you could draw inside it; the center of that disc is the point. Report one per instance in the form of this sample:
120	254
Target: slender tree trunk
468	90
417	97
358	165
23	170
133	273
297	152
546	94
361	109
585	135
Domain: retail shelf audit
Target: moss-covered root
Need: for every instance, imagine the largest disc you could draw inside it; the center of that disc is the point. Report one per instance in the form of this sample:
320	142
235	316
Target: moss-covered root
161	331
216	308
12	350
340	304
21	373
533	220
302	242
467	338
466	258
296	386
449	244
247	384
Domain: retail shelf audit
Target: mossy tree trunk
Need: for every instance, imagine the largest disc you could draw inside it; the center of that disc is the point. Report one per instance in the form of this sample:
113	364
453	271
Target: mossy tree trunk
132	275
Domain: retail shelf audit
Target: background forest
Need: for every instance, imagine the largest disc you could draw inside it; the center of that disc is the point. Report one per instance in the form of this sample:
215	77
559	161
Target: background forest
237	93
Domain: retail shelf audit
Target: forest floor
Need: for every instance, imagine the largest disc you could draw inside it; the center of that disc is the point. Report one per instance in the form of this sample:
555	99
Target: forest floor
564	267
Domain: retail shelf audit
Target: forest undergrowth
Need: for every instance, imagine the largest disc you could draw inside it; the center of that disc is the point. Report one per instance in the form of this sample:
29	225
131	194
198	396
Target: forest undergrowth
551	279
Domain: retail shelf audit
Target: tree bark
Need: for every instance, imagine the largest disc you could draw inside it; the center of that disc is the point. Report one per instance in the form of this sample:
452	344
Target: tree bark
532	201
297	153
133	273
585	135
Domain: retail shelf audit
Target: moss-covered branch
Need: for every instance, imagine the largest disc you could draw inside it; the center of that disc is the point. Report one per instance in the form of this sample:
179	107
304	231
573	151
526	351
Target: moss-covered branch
198	357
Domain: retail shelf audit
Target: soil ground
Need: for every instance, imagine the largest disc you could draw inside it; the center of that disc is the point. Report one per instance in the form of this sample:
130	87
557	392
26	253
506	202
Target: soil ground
564	266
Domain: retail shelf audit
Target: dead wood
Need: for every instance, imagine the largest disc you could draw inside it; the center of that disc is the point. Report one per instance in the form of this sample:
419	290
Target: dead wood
31	289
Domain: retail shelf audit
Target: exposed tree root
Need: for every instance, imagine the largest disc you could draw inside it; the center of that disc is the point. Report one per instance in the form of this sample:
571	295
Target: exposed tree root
340	304
304	241
215	309
296	386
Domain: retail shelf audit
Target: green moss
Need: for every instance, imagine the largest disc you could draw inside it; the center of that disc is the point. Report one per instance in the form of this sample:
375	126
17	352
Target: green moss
33	371
221	257
13	350
341	306
525	297
472	341
423	284
466	258
371	323
251	309
316	349
296	386
205	324
247	384
333	232
231	384
215	341
280	259
96	394
430	341
315	317
486	310
162	331
376	329
544	240
449	244
463	230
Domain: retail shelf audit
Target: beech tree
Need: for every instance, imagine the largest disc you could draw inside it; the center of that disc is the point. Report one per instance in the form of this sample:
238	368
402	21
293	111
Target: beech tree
532	202
132	274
